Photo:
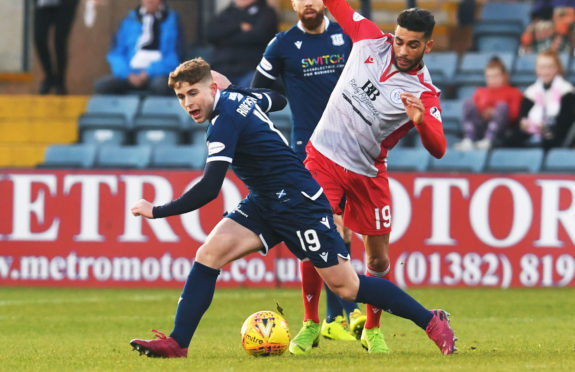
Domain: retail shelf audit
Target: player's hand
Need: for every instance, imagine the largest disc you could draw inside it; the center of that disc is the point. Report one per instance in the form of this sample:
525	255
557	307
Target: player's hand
413	107
143	208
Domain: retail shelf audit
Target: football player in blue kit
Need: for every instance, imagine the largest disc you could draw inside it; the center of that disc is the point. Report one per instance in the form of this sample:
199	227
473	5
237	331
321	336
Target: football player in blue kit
284	203
309	58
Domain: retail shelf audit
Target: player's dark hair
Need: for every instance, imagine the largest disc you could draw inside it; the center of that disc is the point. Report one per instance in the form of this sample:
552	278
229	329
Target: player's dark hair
418	20
191	72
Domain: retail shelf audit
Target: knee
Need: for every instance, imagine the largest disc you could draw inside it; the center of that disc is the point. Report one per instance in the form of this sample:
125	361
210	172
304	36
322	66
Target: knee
378	263
344	291
206	256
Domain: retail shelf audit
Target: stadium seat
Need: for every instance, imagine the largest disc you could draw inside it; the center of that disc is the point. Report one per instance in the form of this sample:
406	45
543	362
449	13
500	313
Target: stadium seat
69	156
124	157
503	19
497	41
108	119
451	115
528	160
157	129
192	156
441	66
460	161
560	160
408	159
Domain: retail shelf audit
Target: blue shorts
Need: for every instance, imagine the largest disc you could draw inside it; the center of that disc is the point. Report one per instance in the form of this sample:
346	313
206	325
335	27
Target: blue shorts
306	226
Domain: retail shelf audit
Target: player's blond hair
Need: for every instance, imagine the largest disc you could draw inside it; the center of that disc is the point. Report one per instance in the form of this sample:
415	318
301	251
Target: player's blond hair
191	72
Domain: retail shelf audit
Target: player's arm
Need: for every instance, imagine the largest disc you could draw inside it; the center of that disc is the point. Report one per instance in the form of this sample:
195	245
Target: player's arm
353	23
425	114
203	192
269	100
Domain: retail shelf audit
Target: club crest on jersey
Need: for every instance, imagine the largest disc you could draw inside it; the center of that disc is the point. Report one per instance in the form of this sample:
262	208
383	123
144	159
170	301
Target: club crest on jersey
357	17
395	95
337	39
298	44
434	111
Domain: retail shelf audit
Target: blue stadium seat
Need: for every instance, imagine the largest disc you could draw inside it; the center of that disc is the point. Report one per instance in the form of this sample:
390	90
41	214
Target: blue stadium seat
460	161
124	157
441	66
408	159
158	106
497	41
69	156
503	18
524	160
451	115
187	157
108	119
560	160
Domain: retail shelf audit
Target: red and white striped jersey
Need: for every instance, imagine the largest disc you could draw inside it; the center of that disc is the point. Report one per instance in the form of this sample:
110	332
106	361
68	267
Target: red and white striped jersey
365	115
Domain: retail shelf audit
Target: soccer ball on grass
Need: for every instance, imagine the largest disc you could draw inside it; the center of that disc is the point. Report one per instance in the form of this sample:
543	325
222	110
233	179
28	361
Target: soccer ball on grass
265	333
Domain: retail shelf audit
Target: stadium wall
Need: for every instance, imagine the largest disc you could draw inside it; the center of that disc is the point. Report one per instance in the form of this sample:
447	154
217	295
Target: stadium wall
74	229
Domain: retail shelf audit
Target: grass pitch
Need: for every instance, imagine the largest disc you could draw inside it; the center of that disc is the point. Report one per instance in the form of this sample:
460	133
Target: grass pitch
89	330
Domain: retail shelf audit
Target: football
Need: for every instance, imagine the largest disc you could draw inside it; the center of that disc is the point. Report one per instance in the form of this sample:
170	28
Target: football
265	333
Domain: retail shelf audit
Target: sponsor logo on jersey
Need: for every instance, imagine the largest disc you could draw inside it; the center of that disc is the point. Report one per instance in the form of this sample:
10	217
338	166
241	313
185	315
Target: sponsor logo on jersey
298	44
337	39
265	64
323	256
357	17
434	111
369	60
215	147
371	90
395	95
325	60
325	221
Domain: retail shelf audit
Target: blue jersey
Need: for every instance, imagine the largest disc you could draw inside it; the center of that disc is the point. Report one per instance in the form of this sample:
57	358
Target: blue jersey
310	66
242	134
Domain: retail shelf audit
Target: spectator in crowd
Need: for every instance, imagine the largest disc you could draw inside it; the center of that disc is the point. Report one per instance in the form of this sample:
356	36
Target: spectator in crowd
58	14
548	106
240	34
491	113
552	27
146	48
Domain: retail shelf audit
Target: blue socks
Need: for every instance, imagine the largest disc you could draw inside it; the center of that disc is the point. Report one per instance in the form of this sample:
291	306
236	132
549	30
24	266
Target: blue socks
384	294
194	301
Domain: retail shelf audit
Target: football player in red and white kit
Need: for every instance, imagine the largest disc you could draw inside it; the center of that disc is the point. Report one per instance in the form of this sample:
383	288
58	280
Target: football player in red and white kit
384	91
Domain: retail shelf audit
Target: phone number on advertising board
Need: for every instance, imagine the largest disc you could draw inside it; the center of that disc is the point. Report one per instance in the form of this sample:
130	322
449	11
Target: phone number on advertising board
487	270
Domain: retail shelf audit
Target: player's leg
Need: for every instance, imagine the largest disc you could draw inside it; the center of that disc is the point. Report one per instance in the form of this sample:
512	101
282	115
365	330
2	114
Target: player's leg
378	265
368	201
383	294
228	241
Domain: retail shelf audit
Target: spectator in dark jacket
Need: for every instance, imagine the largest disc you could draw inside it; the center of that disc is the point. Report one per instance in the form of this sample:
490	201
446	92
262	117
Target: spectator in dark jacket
240	34
145	50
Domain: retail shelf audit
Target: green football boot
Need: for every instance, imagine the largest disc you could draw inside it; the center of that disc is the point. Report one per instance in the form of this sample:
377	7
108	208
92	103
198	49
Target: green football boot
306	339
337	330
372	340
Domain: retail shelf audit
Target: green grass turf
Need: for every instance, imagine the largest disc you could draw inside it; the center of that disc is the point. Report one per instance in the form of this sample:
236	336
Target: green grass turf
89	330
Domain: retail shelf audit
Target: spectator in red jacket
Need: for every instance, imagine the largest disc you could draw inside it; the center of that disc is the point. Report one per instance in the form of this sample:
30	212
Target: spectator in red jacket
493	110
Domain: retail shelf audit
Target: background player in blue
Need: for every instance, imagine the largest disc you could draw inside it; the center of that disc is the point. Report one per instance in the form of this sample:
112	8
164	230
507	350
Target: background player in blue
309	58
284	203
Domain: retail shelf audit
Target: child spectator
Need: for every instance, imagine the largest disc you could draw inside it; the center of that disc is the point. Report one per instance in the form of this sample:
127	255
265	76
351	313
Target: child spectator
489	115
548	107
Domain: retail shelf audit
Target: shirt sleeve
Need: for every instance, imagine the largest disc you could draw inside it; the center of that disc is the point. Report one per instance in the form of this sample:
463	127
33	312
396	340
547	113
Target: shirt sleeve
354	24
271	64
222	137
431	129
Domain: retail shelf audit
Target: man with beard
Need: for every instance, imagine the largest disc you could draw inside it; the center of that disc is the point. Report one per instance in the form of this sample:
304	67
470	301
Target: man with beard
383	92
309	58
